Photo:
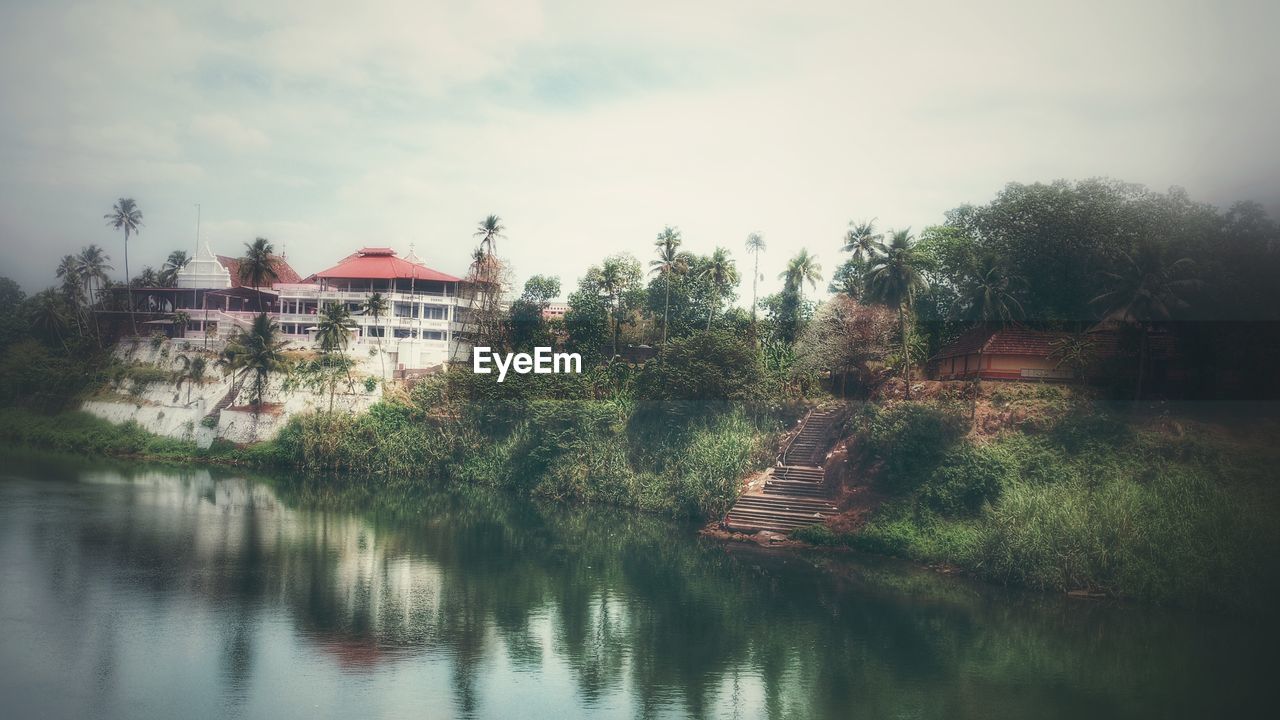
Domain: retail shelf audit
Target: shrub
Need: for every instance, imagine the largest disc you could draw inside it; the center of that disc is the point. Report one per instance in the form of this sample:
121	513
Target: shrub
968	477
911	439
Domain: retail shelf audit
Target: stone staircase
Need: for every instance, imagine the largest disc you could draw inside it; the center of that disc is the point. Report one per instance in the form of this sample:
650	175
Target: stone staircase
795	493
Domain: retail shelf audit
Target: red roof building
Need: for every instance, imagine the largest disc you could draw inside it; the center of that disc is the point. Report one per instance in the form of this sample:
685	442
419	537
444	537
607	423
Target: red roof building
378	268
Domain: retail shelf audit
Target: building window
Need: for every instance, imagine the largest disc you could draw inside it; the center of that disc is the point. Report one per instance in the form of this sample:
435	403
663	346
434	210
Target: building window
435	312
432	335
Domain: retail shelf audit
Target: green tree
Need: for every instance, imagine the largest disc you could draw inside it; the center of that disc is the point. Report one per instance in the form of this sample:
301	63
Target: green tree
49	316
192	372
177	260
489	231
788	309
721	273
258	266
755	246
528	326
893	279
668	263
93	270
987	292
126	217
1147	289
333	332
862	240
256	352
617	282
375	307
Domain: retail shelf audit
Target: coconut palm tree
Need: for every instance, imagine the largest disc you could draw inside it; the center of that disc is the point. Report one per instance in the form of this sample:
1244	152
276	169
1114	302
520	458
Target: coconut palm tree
256	352
893	278
334	333
862	240
126	216
489	230
93	270
48	315
192	372
72	288
722	274
258	266
375	307
177	260
668	262
801	269
987	292
755	246
1146	290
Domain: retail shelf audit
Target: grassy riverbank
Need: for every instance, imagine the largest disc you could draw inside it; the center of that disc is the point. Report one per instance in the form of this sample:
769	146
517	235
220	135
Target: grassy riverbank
1069	494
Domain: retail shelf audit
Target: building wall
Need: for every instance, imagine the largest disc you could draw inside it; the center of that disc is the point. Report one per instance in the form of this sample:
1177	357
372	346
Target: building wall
1000	367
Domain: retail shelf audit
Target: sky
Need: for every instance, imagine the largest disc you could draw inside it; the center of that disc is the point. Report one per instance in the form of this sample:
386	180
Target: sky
588	126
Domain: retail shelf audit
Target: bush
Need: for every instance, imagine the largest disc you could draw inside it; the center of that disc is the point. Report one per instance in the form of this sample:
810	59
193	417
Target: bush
706	370
968	477
910	439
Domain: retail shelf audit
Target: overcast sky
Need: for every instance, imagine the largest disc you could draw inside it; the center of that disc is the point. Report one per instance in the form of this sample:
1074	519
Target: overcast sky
326	126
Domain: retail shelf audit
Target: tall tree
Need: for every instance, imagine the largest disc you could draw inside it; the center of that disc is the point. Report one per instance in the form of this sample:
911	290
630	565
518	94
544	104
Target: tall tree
333	332
893	279
617	282
258	266
49	316
126	216
668	262
256	352
489	231
801	269
177	260
375	307
862	240
93	270
987	292
1147	289
722	274
755	246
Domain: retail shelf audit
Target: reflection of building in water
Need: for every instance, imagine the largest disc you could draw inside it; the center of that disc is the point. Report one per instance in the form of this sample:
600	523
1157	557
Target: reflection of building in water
358	592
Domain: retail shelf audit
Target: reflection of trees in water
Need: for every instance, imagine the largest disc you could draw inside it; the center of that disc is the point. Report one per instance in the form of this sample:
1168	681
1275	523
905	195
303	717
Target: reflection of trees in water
631	604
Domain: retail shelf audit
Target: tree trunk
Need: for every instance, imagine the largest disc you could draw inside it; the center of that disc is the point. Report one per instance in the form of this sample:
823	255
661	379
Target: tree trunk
666	309
906	356
128	284
711	315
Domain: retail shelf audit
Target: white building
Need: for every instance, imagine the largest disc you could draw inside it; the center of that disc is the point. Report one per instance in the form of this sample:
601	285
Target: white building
420	329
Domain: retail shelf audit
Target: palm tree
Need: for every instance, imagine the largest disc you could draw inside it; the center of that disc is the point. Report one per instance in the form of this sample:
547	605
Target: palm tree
801	269
755	246
93	270
489	230
126	216
1146	291
669	261
48	314
177	260
72	286
893	279
722	274
862	240
258	266
256	352
987	292
334	332
148	278
375	307
193	370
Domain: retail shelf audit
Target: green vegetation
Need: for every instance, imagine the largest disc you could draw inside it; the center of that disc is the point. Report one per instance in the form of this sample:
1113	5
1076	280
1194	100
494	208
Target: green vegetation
1096	502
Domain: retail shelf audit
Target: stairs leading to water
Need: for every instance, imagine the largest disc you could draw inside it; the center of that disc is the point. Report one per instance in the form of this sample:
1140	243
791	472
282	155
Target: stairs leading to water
795	494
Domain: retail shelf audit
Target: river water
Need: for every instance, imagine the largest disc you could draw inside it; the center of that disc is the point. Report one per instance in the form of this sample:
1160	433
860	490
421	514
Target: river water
132	591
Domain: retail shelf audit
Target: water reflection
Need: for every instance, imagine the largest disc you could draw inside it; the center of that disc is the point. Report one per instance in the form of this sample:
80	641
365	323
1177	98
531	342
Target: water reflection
142	592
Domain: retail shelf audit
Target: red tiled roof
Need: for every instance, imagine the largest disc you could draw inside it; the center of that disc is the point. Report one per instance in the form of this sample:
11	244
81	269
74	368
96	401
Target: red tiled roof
1037	343
284	273
381	264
